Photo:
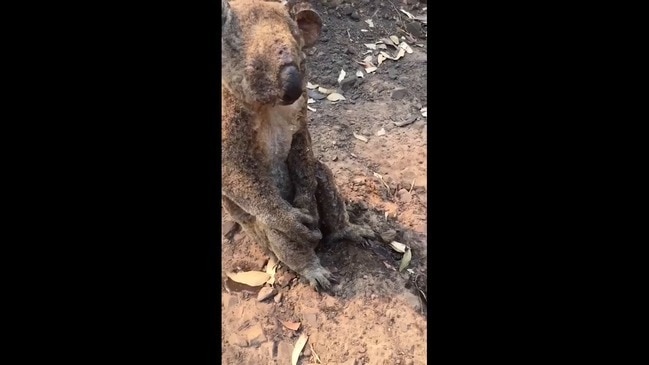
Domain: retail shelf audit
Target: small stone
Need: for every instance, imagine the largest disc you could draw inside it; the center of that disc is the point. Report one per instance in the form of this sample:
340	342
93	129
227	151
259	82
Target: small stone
334	158
229	300
278	298
359	181
285	279
315	95
237	340
389	235
348	83
255	335
311	319
284	351
404	196
346	9
355	16
415	29
399	94
265	293
380	132
306	351
350	51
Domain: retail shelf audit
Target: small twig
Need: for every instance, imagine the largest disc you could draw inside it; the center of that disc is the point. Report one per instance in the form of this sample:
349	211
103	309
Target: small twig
411	185
317	358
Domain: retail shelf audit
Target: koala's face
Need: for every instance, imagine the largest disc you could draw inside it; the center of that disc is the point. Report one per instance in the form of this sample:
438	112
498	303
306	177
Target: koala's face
262	61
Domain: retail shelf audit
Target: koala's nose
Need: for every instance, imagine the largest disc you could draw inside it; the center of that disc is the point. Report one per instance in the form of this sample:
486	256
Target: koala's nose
291	84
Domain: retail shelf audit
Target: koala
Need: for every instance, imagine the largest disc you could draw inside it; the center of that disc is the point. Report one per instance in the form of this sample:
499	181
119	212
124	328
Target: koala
272	184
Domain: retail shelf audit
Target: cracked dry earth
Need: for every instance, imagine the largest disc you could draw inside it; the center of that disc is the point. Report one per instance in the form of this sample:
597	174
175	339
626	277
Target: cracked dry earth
376	315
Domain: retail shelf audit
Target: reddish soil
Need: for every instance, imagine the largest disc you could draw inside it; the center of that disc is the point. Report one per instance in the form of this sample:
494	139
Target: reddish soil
376	314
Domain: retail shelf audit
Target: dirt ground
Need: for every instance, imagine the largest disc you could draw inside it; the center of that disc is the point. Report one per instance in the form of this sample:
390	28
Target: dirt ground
376	314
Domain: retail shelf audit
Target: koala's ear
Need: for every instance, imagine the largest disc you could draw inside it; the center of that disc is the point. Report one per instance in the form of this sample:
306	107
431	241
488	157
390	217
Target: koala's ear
225	12
309	22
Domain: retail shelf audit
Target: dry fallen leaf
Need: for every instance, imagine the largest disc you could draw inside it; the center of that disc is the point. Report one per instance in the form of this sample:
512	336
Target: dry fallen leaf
335	97
299	345
369	70
359	73
405	46
271	269
251	278
310	101
394	39
291	325
341	76
386	55
398	246
370	23
380	132
370	45
310	85
389	42
362	138
310	108
424	111
368	59
401	53
364	30
325	91
381	57
405	260
408	14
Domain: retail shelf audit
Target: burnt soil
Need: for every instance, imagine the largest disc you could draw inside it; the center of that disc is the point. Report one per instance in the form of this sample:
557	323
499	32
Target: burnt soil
376	314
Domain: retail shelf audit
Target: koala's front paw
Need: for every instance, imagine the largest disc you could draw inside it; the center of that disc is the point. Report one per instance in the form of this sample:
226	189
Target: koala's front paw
298	225
318	275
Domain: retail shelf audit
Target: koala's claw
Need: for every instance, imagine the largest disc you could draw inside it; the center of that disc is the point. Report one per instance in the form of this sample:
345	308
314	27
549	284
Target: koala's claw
318	276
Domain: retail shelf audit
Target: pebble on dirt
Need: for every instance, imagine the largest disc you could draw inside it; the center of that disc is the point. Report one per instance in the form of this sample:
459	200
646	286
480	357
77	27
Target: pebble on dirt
237	340
255	335
278	298
404	196
399	94
348	83
265	293
415	29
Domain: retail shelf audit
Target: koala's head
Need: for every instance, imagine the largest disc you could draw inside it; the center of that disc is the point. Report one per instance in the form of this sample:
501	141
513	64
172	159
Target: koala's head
262	58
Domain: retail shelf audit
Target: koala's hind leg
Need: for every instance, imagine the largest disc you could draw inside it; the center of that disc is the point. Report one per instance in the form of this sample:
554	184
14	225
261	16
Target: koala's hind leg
249	224
299	257
334	219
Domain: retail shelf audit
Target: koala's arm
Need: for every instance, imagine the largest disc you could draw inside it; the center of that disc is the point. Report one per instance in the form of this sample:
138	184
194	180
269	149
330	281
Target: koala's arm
301	165
246	183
